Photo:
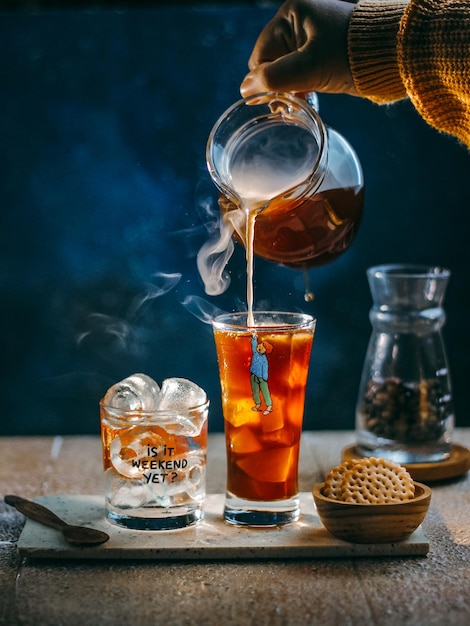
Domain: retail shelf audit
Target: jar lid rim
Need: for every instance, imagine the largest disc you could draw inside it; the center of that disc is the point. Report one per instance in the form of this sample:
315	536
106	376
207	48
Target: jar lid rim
409	270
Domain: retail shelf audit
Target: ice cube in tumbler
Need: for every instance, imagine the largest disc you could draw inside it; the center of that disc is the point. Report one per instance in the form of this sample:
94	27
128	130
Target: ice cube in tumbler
138	392
180	393
126	455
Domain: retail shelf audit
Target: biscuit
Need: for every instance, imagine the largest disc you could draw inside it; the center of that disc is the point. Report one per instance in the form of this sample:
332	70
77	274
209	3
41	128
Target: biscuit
334	479
376	481
369	481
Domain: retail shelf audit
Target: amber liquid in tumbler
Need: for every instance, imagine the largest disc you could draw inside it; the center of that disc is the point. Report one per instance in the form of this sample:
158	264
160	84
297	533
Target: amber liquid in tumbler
152	474
263	450
157	445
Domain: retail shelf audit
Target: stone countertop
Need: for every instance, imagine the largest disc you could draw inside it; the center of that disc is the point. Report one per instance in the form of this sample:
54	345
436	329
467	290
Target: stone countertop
431	590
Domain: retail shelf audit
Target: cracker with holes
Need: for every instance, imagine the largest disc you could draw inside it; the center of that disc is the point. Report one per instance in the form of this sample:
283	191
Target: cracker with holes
334	480
376	481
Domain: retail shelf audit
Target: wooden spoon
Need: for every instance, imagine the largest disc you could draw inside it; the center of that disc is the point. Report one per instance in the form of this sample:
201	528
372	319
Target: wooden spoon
73	534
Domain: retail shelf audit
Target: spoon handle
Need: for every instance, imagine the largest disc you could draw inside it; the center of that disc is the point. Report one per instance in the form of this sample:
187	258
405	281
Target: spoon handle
36	512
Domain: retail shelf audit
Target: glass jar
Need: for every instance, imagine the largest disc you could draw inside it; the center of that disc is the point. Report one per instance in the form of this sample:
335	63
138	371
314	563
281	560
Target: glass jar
272	154
404	411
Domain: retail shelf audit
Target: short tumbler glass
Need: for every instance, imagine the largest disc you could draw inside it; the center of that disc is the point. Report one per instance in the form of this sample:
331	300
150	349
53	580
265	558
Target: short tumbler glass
155	466
263	375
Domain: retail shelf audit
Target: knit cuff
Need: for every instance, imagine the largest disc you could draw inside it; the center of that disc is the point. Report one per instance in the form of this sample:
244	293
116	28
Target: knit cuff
372	48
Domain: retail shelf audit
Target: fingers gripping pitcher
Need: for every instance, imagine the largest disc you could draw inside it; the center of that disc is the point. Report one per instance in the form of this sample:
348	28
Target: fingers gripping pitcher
272	155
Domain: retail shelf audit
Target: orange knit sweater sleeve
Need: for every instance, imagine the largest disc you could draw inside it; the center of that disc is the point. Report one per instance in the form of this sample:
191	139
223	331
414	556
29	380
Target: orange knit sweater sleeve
419	49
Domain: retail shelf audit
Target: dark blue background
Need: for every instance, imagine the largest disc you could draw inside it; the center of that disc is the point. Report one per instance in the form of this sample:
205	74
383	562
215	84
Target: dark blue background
104	117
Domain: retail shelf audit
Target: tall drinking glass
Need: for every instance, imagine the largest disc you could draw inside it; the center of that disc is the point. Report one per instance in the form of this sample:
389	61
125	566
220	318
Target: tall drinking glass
263	374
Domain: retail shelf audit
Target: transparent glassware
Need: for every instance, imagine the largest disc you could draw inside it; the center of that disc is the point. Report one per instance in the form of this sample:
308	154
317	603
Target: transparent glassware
404	410
263	370
272	155
154	465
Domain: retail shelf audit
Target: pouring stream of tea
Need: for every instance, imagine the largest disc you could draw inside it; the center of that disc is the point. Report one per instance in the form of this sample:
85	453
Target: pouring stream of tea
274	159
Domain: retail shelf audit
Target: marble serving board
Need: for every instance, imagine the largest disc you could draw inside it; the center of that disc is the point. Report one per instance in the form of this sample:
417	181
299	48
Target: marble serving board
210	539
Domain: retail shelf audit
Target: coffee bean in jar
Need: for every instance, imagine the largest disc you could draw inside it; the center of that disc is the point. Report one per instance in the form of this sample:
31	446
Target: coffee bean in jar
406	412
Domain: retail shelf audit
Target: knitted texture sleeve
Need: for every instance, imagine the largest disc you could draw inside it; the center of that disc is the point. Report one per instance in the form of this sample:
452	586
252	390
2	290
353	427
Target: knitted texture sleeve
419	49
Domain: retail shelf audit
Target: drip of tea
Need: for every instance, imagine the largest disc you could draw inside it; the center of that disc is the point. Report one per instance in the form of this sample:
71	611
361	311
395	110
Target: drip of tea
309	296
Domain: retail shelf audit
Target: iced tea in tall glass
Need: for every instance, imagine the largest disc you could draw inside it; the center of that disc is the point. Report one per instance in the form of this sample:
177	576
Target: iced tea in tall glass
263	375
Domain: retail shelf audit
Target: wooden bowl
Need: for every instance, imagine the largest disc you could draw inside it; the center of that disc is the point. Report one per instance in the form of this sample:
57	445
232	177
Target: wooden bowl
372	523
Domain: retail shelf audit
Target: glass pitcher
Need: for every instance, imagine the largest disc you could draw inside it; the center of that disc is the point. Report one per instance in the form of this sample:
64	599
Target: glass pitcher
404	411
271	154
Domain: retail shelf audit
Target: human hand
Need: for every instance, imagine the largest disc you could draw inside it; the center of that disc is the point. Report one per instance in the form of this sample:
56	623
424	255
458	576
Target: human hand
304	48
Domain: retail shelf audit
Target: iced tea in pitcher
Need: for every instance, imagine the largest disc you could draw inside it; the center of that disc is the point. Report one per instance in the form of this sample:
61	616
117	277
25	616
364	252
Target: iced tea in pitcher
272	155
303	233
